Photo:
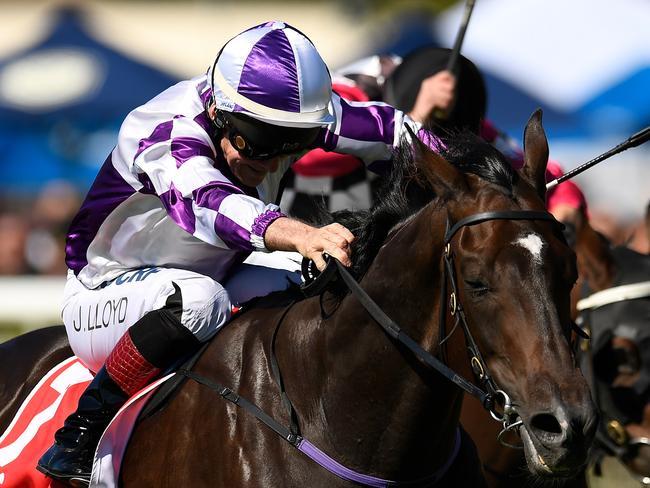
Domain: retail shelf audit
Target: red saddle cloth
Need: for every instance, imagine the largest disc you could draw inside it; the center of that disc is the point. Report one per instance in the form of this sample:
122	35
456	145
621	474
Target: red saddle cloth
44	410
32	430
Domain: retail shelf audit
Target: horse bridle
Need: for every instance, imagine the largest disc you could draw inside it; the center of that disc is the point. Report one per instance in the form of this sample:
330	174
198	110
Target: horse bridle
490	395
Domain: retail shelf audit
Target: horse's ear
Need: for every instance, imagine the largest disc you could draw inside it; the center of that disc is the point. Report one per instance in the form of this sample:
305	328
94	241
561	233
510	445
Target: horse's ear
535	153
441	175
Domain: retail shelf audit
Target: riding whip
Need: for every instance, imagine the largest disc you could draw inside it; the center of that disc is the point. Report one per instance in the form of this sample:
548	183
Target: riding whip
636	140
455	52
453	57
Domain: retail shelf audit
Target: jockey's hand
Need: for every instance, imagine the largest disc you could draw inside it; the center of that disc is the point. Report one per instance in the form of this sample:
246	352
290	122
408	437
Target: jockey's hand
333	239
436	92
285	234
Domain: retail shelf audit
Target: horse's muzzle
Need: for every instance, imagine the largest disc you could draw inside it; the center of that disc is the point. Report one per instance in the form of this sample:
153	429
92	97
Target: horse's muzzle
557	442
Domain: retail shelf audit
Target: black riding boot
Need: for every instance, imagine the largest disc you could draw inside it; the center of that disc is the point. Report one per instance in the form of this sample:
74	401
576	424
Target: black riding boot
154	342
70	458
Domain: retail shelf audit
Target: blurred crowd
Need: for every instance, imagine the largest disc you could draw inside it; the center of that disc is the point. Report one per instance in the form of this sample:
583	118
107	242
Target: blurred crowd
33	230
635	235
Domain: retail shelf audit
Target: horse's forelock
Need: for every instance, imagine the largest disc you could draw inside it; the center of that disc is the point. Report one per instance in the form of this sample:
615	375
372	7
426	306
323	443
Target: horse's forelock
470	154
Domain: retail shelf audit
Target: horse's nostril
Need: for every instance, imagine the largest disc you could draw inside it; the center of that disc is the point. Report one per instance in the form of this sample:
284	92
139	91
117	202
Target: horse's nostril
547	423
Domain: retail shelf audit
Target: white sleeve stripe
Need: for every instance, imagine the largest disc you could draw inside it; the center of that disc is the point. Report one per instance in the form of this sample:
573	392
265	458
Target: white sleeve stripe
368	151
187	128
204	226
196	173
241	209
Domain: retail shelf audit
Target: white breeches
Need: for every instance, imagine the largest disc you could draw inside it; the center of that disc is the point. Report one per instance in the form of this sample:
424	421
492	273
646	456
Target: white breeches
262	273
95	319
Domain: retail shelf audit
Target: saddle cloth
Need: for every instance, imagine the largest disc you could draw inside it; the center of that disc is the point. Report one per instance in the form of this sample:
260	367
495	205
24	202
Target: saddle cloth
31	432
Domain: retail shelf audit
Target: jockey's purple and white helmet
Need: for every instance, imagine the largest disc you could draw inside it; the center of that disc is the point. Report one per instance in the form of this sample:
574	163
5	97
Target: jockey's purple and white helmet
273	73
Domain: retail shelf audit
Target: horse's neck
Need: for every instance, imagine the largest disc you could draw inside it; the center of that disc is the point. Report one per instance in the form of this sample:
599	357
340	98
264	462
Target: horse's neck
383	408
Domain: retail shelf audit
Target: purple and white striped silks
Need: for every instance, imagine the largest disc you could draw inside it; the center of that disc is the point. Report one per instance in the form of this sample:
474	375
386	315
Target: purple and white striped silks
163	197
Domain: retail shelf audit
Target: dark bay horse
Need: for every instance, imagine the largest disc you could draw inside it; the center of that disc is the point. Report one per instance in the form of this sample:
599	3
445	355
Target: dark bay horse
613	363
24	360
358	395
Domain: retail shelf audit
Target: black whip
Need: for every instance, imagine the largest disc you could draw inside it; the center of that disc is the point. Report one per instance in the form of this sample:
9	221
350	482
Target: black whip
455	52
633	141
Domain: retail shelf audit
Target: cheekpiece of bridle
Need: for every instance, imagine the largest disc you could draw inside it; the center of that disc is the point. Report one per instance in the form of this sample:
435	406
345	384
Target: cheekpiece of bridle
494	400
494	396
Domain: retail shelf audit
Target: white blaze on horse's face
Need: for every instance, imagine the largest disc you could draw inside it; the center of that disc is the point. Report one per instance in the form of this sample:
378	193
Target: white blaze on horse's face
534	244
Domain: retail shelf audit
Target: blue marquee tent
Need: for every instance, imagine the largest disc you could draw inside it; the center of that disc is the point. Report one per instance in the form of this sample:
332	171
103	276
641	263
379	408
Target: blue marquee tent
62	102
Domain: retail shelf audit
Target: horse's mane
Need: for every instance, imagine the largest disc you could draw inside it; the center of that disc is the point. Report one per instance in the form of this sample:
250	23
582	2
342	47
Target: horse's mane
405	190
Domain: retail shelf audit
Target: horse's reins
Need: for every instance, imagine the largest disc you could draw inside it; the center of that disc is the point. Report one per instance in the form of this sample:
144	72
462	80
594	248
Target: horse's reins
487	398
292	433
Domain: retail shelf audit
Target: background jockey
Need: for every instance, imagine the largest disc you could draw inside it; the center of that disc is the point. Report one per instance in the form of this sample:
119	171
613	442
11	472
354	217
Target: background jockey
188	192
334	181
417	82
415	76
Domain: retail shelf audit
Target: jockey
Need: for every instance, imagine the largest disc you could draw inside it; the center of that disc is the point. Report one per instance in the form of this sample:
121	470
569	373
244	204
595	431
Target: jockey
186	195
421	80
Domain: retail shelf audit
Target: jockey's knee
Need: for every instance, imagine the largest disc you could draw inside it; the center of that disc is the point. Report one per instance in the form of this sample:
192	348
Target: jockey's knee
185	306
263	273
200	304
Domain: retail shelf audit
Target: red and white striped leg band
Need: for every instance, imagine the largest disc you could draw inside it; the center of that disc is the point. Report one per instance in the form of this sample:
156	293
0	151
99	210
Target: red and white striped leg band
128	368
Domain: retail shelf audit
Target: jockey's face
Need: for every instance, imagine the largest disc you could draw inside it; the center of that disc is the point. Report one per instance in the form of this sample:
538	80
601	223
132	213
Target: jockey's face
250	172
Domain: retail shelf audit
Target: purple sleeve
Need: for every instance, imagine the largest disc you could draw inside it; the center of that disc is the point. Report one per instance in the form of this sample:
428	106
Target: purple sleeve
178	164
368	130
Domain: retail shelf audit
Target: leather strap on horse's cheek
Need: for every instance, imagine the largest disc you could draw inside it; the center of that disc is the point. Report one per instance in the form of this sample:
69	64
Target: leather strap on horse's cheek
579	331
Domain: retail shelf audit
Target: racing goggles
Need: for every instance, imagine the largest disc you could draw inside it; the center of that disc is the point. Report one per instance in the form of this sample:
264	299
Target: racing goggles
257	140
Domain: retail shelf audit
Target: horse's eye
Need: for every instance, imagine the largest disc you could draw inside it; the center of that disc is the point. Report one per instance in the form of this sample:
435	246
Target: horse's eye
476	287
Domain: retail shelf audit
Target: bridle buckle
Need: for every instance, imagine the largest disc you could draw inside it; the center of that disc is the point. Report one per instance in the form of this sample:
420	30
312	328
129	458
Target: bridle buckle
453	304
478	369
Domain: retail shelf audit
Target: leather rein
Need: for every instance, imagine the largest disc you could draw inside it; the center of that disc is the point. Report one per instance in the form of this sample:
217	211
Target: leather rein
488	395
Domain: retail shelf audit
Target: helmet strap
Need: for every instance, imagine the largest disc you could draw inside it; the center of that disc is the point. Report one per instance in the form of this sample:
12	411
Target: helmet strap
217	123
